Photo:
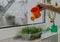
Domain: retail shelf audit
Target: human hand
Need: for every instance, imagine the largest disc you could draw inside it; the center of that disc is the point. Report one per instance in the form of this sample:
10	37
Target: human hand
41	6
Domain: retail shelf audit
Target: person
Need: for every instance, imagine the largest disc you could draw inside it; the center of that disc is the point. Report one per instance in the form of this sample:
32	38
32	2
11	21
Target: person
49	7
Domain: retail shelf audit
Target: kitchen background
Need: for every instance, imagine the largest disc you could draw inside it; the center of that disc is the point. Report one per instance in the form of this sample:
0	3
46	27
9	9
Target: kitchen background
12	31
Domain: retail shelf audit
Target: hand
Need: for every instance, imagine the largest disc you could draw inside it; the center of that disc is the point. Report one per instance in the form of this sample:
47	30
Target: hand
41	6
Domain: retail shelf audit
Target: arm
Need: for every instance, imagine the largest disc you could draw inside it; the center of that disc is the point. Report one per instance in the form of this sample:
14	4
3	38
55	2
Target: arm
52	8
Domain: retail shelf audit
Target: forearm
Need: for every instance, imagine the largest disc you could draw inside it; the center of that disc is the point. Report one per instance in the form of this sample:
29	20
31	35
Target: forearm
52	8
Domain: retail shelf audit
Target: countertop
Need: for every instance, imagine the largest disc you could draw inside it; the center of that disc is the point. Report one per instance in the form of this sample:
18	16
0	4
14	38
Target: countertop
43	36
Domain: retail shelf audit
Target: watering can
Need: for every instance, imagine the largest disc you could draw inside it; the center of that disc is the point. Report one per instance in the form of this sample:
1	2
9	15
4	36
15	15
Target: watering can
53	28
36	12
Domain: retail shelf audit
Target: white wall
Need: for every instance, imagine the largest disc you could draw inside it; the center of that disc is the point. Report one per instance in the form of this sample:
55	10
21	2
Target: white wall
19	10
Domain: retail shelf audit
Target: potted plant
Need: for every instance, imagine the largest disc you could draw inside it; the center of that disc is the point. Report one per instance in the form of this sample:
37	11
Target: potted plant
29	33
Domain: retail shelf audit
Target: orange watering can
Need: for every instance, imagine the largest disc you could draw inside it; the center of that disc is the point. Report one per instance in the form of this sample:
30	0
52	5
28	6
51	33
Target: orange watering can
36	12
